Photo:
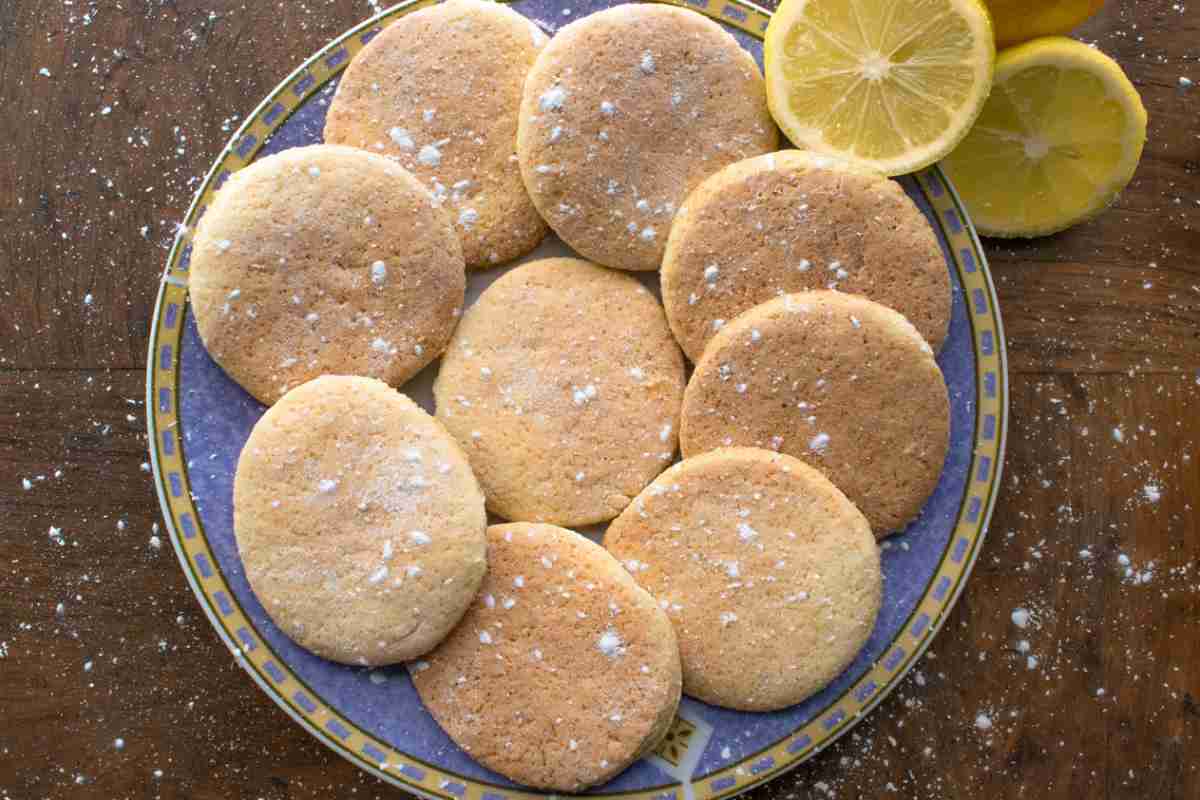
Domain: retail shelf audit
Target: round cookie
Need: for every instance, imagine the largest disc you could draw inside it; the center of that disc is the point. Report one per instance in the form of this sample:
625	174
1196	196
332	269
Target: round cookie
563	384
624	113
793	221
359	523
842	383
324	259
563	672
769	574
438	90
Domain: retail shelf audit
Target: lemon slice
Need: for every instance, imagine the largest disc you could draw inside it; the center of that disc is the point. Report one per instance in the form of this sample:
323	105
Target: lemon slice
894	84
1019	21
1057	141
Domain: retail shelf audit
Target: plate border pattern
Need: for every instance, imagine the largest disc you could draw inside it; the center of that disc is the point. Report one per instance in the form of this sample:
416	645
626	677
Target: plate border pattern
343	736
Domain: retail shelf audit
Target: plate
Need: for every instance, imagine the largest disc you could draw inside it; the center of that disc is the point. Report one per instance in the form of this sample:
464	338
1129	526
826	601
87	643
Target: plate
199	419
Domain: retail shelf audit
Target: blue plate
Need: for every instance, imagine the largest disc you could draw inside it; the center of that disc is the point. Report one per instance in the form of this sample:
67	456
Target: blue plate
199	420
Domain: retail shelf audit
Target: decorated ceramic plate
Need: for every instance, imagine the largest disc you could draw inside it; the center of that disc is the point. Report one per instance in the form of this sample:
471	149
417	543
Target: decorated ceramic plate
199	420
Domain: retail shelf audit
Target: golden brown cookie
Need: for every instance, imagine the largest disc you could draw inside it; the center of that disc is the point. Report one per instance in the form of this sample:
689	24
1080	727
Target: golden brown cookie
358	521
324	259
563	672
791	221
563	384
438	90
842	383
769	574
624	113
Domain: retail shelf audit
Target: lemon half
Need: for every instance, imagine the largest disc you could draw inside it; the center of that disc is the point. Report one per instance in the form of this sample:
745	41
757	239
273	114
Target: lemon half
894	84
1058	140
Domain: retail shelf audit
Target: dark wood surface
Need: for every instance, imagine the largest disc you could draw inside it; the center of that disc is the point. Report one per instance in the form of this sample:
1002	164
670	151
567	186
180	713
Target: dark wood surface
1103	330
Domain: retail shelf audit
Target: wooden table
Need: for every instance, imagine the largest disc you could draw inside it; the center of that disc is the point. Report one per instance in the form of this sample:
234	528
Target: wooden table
98	161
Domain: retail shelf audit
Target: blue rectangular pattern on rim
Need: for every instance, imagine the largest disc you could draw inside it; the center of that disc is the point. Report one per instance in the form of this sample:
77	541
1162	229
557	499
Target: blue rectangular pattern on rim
185	261
980	299
665	796
989	385
176	484
303	84
304	701
943	586
337	729
274	671
337	58
968	260
248	643
204	565
246	145
984	469
223	603
164	356
865	691
960	549
493	796
164	400
732	12
987	343
920	625
721	784
894	658
799	744
973	508
173	308
762	765
220	179
989	426
273	113
416	773
189	527
168	444
374	753
953	221
369	35
833	720
454	788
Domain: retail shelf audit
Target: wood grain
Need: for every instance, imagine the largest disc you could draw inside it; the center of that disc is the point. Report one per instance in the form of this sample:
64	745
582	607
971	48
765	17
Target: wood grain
1103	330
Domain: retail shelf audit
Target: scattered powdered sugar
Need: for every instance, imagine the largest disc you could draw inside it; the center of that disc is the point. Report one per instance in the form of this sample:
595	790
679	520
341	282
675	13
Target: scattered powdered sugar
401	138
819	443
419	537
610	644
711	273
983	722
1152	492
468	217
430	155
485	637
1021	617
582	396
378	575
552	99
646	65
728	618
378	273
745	532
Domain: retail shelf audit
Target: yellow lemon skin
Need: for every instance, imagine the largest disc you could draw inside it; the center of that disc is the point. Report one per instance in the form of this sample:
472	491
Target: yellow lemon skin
1017	21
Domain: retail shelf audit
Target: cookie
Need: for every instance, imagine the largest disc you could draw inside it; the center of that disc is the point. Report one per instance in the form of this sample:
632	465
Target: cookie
624	113
769	574
324	259
793	221
563	672
563	384
840	382
438	90
359	523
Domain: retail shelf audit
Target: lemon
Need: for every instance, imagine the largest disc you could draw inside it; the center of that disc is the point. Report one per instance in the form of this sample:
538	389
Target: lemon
1019	21
1057	141
893	84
